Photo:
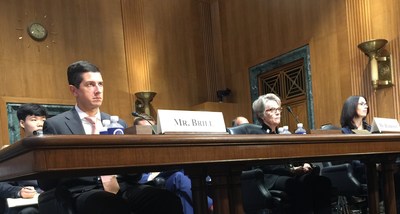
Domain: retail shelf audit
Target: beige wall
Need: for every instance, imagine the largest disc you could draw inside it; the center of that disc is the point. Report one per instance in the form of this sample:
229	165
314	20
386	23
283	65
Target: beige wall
185	50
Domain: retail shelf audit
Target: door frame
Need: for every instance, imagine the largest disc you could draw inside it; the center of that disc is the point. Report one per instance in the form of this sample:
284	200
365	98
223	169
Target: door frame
269	65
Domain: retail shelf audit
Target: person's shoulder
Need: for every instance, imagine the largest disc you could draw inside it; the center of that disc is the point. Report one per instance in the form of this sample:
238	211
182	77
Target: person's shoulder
346	130
60	116
367	126
105	115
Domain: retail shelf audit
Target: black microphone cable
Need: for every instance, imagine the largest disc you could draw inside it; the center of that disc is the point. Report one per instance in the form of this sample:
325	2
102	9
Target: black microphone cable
291	112
135	114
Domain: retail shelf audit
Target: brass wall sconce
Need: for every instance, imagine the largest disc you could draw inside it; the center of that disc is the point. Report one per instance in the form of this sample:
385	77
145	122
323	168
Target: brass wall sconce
380	62
142	103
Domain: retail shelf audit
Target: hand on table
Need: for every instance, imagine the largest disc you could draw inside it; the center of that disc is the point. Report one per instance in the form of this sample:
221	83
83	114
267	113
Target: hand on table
27	192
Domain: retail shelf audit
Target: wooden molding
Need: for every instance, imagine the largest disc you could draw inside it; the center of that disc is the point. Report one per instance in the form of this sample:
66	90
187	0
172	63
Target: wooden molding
3	110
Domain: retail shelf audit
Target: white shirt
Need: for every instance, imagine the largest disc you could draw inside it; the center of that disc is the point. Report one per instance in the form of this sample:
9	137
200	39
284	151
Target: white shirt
86	124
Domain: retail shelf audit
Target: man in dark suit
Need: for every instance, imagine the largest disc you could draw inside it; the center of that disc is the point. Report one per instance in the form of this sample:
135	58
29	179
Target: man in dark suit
101	194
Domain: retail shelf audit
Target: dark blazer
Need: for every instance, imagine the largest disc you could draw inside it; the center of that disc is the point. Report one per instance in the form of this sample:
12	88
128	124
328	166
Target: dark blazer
348	129
69	123
273	172
11	189
65	124
8	190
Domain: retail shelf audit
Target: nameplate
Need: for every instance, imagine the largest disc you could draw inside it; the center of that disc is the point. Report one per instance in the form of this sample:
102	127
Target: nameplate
383	125
186	122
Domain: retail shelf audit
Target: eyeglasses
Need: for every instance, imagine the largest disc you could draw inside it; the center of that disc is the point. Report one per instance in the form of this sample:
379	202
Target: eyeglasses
363	104
274	110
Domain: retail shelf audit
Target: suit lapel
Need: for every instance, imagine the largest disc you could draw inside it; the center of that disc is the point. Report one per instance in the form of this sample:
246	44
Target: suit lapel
74	123
104	116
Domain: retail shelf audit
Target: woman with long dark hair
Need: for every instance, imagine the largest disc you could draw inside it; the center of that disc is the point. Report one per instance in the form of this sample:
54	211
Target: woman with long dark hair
355	110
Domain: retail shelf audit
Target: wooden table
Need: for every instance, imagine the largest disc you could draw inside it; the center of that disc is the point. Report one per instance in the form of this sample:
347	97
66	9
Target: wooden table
220	156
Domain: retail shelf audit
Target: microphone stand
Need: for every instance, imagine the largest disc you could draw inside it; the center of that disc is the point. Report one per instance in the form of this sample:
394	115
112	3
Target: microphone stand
135	114
291	112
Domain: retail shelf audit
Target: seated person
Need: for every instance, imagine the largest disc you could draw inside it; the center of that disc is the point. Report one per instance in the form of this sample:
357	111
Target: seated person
308	192
175	181
104	193
239	121
354	112
31	118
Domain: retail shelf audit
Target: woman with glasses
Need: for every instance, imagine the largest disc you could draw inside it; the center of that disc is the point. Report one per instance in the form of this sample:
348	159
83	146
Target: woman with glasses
354	111
308	192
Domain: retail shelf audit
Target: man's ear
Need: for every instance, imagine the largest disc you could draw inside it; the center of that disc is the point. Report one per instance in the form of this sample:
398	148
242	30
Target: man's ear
22	123
73	90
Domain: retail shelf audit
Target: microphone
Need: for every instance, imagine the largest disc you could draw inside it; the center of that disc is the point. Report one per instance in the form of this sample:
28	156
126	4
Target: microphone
135	114
291	112
38	133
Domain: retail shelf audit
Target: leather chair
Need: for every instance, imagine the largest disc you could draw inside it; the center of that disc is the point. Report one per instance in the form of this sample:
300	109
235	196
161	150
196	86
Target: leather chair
329	126
342	179
246	128
344	183
57	200
256	197
351	194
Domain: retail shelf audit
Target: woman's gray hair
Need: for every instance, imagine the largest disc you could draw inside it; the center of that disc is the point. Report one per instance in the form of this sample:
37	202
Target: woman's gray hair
260	103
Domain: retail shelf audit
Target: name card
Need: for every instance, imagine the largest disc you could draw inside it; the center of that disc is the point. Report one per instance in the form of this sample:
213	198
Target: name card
385	125
177	121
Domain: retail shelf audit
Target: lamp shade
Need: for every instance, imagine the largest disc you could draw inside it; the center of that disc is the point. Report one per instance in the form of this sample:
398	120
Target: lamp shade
142	103
379	61
371	47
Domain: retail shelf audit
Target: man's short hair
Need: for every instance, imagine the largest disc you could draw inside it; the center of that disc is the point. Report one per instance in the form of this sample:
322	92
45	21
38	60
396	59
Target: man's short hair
30	109
76	69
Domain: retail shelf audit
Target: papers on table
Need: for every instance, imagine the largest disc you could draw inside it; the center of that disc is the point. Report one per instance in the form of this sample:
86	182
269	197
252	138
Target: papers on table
18	202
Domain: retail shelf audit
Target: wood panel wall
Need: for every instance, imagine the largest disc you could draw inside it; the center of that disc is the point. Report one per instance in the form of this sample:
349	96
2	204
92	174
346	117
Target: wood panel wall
78	29
170	50
256	31
185	50
369	20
